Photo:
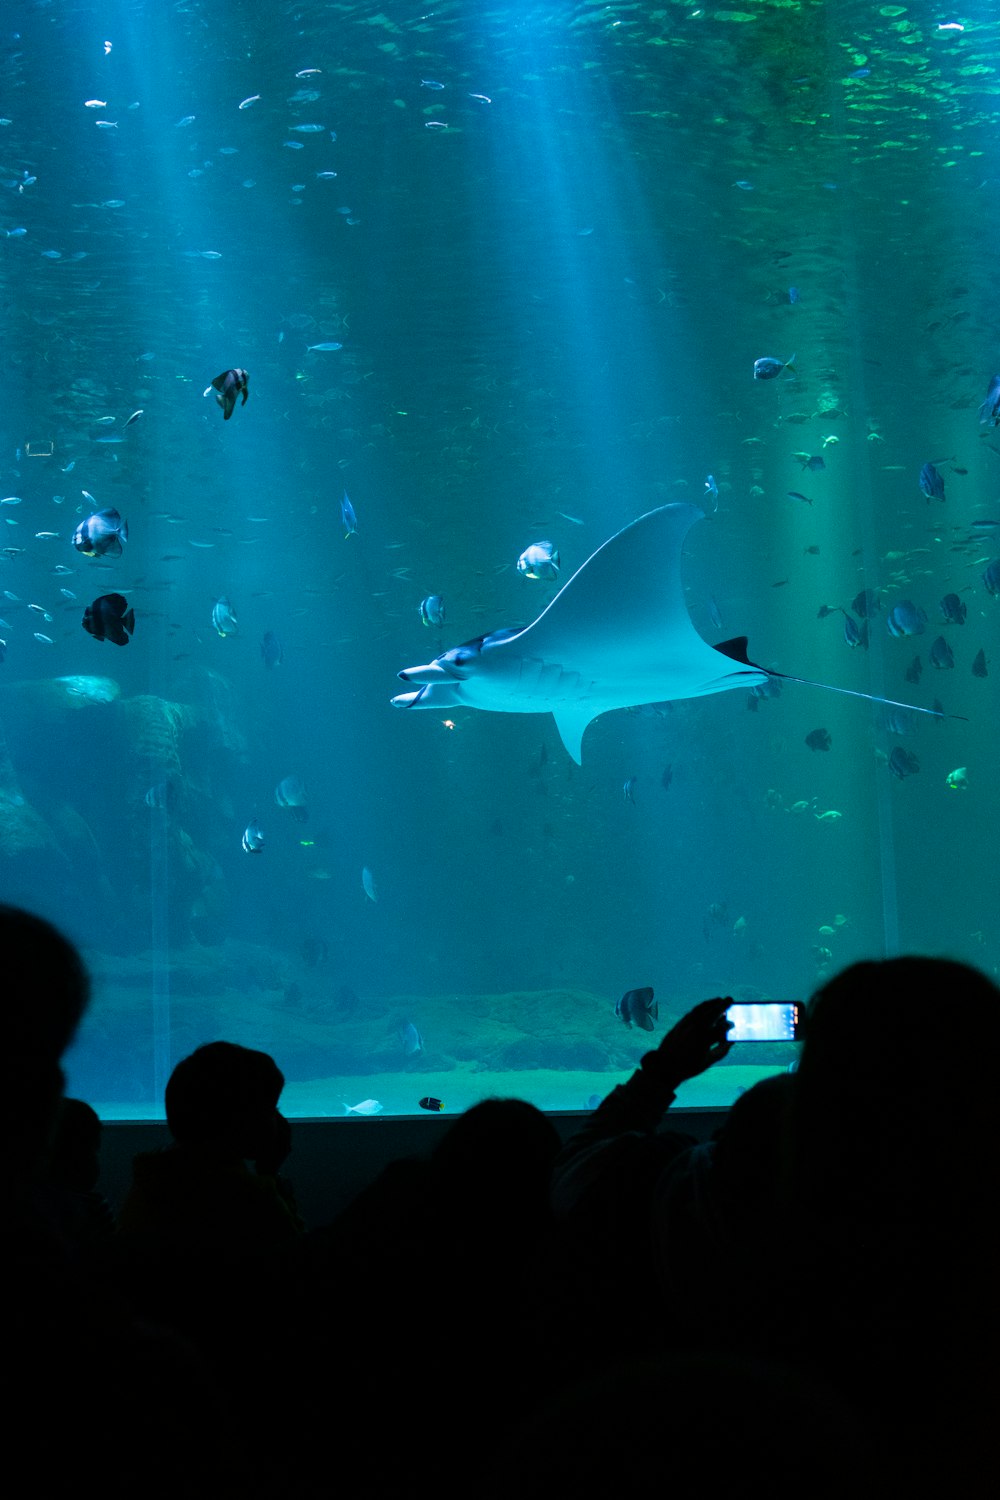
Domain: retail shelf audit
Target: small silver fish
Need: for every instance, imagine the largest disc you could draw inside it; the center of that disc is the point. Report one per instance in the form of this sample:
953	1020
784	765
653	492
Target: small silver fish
348	519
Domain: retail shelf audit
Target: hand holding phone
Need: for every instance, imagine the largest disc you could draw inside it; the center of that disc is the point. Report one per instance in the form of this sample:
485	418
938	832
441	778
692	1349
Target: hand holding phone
697	1041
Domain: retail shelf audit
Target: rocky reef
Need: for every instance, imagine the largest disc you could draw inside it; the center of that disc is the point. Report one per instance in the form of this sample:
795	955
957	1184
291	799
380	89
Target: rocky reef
103	798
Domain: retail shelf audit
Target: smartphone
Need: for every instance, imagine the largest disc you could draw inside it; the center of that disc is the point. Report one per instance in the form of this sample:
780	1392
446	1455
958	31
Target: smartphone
766	1021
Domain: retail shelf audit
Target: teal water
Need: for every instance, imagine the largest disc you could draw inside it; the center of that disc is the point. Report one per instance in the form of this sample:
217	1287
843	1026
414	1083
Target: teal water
557	238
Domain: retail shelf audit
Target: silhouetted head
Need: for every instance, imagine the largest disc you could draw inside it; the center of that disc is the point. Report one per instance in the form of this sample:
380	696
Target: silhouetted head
499	1155
45	990
46	986
894	1086
224	1095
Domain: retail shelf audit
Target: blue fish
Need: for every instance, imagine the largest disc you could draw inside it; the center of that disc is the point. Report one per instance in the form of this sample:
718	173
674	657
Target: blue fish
628	790
432	610
903	763
253	838
291	793
989	412
540	560
163	796
942	655
110	618
897	720
271	650
223	617
793	295
227	386
855	634
906	618
953	610
931	483
100	534
767	368
638	1006
411	1040
991	577
348	519
711	493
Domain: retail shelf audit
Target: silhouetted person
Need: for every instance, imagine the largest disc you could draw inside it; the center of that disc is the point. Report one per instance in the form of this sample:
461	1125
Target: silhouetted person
206	1231
46	989
217	1186
604	1184
440	1272
80	1370
68	1191
683	1425
890	1181
714	1210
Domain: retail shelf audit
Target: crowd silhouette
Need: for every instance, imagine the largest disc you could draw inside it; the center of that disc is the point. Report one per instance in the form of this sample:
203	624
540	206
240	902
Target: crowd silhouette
804	1305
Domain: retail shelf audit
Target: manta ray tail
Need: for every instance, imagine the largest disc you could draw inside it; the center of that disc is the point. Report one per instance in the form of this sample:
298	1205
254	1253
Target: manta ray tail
736	650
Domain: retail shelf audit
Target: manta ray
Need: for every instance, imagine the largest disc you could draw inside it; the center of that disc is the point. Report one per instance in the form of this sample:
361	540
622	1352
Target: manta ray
617	635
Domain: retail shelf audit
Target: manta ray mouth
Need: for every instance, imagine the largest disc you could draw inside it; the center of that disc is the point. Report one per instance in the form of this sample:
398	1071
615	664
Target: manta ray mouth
432	672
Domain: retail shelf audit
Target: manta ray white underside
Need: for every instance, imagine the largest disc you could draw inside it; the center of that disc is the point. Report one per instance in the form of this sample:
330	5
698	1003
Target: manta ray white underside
617	635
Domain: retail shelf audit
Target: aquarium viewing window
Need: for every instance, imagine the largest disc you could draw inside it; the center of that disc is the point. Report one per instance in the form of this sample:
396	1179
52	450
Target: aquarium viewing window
335	359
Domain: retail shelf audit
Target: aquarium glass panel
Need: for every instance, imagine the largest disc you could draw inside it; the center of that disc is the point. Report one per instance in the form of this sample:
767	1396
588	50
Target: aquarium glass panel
472	478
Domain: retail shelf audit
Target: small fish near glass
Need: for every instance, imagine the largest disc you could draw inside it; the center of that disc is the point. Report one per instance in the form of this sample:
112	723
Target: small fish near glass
638	1007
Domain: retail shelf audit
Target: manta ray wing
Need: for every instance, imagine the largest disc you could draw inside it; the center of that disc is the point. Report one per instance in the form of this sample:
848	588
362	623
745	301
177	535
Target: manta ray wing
621	632
617	635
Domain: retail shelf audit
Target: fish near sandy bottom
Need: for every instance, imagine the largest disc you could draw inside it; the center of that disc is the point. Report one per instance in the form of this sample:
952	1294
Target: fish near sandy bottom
617	635
638	1007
